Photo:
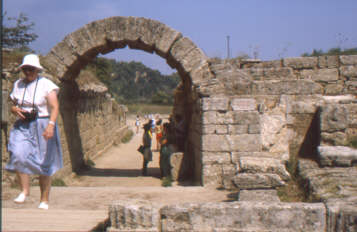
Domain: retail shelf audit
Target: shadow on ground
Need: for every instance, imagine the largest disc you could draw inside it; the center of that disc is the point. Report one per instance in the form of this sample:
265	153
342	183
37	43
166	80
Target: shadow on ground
108	172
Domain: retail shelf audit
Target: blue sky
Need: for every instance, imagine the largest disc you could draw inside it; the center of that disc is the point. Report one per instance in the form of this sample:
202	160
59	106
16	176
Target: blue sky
272	28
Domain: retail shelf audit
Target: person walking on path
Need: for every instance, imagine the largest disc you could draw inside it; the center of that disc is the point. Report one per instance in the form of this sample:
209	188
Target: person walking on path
34	142
165	153
137	123
147	154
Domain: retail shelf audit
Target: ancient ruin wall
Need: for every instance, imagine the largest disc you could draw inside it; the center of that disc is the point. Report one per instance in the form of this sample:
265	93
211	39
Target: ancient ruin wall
273	107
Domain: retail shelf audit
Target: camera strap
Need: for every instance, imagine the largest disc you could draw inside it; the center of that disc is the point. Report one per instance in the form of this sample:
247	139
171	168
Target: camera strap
33	100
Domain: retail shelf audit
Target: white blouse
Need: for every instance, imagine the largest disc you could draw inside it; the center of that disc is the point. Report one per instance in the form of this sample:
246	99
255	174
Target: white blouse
23	95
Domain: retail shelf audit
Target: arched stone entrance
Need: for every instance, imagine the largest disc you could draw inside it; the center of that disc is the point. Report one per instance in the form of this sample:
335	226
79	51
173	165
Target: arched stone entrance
103	36
77	49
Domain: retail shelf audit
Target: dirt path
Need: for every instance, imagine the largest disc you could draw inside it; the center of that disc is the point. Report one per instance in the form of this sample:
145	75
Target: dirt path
116	176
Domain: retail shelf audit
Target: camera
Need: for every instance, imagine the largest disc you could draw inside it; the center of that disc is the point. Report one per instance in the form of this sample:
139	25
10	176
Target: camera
30	116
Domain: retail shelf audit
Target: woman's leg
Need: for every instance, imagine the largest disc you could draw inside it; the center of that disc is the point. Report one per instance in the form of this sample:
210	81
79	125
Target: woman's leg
45	186
24	180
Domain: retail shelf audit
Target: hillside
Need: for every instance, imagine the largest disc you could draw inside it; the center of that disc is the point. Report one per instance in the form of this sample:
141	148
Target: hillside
132	81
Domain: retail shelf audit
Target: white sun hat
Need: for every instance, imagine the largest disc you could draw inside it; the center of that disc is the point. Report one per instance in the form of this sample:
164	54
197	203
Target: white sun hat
31	60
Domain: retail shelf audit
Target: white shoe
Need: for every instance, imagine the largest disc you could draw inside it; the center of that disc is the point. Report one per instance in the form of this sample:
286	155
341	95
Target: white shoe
43	205
20	198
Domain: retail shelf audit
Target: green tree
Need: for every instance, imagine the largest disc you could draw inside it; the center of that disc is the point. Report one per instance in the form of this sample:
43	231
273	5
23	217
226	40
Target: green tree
332	52
18	36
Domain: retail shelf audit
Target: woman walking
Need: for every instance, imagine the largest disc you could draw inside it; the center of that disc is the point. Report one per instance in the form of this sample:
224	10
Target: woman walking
34	143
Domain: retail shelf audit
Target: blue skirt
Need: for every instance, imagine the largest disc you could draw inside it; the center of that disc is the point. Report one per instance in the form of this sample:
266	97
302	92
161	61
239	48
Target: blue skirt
30	153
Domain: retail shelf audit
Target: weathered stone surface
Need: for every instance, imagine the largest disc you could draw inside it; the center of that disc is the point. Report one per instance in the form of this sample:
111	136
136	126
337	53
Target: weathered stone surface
244	216
216	158
243	104
339	156
285	73
238	129
267	195
348	60
300	107
328	61
257	181
300	62
333	118
215	129
321	75
341	216
263	165
176	165
134	216
328	183
349	71
241	142
274	132
215	103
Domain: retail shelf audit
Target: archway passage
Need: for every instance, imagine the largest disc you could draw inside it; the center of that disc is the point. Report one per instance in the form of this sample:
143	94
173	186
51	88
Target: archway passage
103	36
77	49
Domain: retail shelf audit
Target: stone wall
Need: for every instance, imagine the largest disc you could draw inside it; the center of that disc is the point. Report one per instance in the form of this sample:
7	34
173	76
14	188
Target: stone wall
265	109
90	121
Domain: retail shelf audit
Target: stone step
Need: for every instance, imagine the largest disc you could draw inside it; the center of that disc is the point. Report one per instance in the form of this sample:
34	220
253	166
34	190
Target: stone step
337	156
225	216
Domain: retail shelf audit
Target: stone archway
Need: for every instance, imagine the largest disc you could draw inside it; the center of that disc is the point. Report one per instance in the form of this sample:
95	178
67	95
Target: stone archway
77	49
67	58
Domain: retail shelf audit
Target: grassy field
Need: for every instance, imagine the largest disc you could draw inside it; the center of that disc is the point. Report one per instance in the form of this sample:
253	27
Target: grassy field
143	109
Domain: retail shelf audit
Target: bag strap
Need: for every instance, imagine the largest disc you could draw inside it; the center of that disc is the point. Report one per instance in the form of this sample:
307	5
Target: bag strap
34	94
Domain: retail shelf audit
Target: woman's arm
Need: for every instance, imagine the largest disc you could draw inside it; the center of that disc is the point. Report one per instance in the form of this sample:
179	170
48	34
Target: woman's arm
54	109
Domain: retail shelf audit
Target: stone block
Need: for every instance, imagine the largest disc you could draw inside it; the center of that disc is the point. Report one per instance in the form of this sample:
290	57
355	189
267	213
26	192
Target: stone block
64	52
348	60
299	87
321	75
134	215
257	181
180	48
241	142
216	158
209	117
243	104
166	37
238	129
267	195
192	60
328	61
285	73
349	71
300	107
341	216
333	118
335	89
244	216
263	165
256	73
176	165
215	103
334	138
337	156
254	129
300	62
245	118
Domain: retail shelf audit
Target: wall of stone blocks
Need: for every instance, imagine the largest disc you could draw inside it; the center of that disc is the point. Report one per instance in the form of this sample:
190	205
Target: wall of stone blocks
287	95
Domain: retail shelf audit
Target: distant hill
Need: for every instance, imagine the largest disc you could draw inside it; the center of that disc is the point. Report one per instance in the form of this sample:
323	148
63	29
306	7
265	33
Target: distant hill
133	82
